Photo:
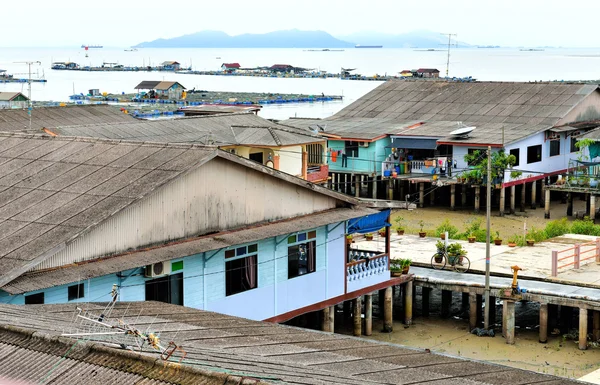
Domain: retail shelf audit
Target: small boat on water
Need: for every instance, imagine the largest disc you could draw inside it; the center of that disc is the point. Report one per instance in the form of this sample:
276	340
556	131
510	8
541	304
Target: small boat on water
131	50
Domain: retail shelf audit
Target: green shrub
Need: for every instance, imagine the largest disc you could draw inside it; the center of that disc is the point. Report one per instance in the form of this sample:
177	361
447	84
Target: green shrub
585	226
557	228
537	235
449	227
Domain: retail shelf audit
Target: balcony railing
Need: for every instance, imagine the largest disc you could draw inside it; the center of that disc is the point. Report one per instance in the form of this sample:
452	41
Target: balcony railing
366	268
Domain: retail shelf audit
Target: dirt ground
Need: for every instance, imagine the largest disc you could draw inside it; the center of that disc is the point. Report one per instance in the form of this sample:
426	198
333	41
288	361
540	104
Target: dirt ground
507	226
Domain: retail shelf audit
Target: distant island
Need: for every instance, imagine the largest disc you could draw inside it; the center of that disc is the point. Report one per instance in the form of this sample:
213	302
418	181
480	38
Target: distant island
295	38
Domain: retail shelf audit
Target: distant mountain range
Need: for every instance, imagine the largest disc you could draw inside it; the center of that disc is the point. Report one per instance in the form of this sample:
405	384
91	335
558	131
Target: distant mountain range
295	38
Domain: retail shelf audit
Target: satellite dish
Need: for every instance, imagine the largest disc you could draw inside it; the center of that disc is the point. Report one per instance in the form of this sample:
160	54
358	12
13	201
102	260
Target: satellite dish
464	131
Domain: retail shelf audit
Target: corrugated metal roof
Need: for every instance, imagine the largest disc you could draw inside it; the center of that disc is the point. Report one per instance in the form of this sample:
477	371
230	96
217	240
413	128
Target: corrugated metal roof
224	350
12	120
147	85
130	260
223	130
8	96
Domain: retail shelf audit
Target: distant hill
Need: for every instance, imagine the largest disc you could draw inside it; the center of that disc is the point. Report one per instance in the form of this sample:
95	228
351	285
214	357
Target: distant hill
415	39
279	39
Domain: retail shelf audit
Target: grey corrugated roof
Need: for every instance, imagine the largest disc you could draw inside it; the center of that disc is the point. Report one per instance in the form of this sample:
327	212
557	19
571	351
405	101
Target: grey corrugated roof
521	108
12	120
73	273
147	85
52	189
227	129
225	349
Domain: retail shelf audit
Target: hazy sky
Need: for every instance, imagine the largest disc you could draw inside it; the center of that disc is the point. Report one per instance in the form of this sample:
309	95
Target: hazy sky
40	23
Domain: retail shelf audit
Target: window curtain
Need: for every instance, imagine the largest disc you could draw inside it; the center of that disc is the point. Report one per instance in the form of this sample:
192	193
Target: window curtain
311	256
250	263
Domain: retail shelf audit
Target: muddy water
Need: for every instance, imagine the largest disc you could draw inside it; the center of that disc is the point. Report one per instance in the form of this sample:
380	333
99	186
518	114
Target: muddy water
559	356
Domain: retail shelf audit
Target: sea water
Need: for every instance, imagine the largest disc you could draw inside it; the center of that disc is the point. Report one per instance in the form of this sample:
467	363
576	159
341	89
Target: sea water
500	64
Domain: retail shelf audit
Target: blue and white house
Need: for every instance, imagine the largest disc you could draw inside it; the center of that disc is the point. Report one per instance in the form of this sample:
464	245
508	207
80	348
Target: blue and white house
183	224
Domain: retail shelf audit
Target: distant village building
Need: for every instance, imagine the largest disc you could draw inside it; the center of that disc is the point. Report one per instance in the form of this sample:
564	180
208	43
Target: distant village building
162	89
170	66
230	67
282	68
13	100
428	73
406	73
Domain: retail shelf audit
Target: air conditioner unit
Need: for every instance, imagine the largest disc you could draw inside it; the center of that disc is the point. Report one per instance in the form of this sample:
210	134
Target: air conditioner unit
157	269
364	144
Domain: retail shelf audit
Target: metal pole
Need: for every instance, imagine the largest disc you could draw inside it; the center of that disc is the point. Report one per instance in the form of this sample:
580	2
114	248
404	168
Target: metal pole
488	203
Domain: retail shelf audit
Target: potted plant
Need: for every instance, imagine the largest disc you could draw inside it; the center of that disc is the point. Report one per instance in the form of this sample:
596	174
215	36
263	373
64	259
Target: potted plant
382	232
396	267
456	253
505	292
399	228
405	265
422	233
443	236
349	239
471	237
512	241
369	236
441	248
530	241
497	239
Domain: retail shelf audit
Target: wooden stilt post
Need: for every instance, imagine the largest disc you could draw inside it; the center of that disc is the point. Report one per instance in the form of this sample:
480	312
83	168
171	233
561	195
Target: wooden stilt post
421	194
547	204
453	197
477	198
325	320
513	192
332	319
593	207
533	195
543	190
502	200
543	323
357	316
368	314
387	310
357	184
408	302
583	328
523	195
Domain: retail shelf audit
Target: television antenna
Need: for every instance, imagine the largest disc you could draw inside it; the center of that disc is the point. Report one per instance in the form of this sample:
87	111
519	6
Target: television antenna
449	44
30	108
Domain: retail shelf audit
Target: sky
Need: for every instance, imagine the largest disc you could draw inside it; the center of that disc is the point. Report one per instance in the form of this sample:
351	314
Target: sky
125	23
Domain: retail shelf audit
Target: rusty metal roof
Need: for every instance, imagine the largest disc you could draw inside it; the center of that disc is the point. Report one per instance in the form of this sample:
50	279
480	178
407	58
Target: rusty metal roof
12	120
224	350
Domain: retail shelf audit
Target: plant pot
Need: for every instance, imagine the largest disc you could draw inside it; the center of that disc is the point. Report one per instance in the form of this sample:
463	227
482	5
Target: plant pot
400	232
498	242
438	259
396	273
471	239
422	234
511	244
405	270
460	259
452	259
382	234
443	236
369	237
530	242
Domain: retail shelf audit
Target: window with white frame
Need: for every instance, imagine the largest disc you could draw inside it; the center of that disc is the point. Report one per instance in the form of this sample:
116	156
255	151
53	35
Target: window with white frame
302	254
241	269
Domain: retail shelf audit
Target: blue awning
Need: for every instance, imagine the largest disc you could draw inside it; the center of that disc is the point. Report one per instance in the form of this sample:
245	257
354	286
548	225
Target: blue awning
369	224
414	143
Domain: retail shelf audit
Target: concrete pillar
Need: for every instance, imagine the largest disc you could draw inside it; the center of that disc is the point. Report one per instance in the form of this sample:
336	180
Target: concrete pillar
446	303
453	197
375	187
593	207
421	194
368	314
325	319
332	319
583	328
513	192
596	326
387	311
357	316
510	322
533	195
425	297
543	189
504	316
492	305
543	323
463	195
523	191
473	310
569	204
390	189
408	302
357	180
502	200
477	198
547	204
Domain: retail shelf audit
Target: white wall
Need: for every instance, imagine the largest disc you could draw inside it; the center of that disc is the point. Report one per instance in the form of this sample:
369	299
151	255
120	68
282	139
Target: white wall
336	266
290	160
